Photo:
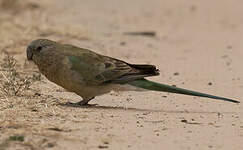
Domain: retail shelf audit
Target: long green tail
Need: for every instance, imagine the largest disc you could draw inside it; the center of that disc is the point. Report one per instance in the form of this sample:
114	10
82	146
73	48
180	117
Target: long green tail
149	85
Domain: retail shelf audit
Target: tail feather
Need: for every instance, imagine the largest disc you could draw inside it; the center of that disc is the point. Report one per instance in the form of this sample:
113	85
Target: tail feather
149	85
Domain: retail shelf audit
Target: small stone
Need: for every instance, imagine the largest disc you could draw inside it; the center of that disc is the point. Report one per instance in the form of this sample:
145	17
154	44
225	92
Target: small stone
184	120
123	43
102	146
210	83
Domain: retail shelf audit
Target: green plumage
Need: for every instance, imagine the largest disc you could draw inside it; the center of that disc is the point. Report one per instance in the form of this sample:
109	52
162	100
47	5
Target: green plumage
89	74
149	85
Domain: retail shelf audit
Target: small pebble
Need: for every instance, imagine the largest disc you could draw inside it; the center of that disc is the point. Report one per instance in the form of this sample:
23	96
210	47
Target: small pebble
210	83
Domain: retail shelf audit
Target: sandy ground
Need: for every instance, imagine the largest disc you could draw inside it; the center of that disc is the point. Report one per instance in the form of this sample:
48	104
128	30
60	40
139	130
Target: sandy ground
198	45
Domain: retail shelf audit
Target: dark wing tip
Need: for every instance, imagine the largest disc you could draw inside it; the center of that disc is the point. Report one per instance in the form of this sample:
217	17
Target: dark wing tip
150	70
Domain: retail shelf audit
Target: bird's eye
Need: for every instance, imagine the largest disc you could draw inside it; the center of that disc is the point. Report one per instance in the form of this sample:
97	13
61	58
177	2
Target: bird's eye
39	48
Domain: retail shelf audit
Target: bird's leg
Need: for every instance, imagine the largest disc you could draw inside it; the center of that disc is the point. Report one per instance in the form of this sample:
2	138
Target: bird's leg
83	102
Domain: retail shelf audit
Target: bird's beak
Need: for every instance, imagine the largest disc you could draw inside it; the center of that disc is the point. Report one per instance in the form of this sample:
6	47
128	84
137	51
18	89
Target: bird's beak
29	53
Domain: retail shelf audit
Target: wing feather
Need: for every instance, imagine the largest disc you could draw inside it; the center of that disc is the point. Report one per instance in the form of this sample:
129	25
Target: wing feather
98	69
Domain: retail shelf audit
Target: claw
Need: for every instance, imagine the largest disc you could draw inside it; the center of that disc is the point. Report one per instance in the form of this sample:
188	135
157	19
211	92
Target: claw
78	104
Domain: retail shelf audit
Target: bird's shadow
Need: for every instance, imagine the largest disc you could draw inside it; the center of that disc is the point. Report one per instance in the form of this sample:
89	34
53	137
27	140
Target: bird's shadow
97	107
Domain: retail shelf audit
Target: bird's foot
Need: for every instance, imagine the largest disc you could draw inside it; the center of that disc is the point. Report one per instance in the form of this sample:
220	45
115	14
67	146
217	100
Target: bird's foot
80	104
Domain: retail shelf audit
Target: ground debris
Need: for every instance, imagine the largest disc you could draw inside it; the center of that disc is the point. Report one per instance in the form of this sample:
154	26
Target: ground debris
141	33
185	121
12	83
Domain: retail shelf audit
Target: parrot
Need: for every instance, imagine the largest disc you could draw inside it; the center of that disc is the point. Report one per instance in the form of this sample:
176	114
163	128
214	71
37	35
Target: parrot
89	74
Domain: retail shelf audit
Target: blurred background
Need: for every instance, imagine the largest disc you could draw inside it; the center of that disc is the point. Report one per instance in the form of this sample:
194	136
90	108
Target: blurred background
184	29
196	44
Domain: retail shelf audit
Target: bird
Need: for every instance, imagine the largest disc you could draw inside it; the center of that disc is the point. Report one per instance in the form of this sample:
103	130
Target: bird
89	74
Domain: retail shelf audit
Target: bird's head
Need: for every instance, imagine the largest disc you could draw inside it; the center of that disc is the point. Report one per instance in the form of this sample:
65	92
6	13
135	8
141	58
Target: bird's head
36	47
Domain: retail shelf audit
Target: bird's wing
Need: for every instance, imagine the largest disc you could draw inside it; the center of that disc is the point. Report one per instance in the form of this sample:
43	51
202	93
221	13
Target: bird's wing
98	69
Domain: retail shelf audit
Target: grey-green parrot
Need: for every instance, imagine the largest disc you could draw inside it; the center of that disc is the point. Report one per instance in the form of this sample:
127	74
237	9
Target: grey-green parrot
89	74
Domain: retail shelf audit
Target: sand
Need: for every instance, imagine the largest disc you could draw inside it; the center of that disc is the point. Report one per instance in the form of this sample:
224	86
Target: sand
198	45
